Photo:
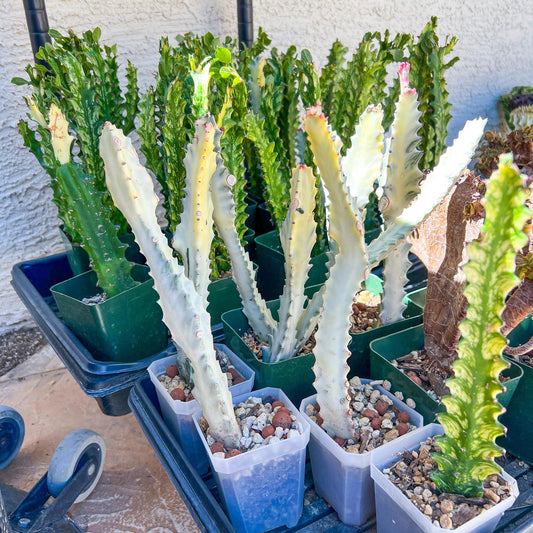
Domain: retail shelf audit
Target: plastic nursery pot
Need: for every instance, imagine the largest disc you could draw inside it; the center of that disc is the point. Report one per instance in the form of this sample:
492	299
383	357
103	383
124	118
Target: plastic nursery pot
263	220
518	418
271	263
179	415
263	488
385	349
271	266
343	478
359	361
125	328
295	376
396	513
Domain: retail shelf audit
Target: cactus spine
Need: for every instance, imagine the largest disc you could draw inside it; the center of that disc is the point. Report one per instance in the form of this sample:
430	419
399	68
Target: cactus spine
183	307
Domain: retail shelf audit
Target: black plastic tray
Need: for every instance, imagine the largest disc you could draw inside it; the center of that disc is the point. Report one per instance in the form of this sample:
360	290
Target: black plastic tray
107	381
201	497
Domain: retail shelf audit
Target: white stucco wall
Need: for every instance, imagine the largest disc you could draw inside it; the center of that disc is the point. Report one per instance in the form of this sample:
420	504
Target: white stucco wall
495	43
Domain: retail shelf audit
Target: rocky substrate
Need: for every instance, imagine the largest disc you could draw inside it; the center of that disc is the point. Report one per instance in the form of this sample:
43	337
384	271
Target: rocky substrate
262	421
376	420
366	309
365	317
424	372
412	476
180	390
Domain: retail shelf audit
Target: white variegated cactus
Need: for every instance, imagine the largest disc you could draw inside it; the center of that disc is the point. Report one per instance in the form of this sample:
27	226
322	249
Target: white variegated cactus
183	300
406	201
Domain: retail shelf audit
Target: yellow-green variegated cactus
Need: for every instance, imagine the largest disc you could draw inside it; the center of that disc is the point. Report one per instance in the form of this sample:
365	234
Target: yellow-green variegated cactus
470	422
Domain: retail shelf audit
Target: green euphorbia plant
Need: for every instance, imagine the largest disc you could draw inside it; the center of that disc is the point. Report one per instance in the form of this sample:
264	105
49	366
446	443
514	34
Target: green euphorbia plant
82	80
470	422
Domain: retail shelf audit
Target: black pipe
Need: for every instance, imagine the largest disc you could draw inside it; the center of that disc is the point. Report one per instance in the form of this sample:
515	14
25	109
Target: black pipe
37	22
245	22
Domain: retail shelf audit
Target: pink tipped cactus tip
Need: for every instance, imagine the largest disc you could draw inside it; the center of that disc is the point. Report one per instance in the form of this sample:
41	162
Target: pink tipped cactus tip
403	75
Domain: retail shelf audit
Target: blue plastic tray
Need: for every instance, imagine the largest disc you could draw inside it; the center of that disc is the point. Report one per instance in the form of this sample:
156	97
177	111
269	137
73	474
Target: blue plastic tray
201	497
107	381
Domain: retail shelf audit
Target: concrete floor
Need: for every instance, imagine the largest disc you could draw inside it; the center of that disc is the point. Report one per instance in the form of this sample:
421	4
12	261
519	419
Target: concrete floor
133	495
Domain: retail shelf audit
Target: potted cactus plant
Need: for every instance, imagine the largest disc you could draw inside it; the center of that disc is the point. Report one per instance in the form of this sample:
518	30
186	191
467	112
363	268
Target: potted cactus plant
108	307
440	242
184	303
111	330
400	182
465	456
405	203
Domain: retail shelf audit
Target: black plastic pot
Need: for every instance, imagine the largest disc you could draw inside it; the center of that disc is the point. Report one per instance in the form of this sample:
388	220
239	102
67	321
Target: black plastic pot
203	501
105	381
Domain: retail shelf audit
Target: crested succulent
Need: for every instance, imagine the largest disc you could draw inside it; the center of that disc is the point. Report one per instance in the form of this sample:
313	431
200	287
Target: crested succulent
182	300
516	109
82	80
518	141
470	422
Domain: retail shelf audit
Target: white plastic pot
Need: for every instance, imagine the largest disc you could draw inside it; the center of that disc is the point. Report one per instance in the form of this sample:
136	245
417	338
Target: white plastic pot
396	513
263	489
179	415
343	478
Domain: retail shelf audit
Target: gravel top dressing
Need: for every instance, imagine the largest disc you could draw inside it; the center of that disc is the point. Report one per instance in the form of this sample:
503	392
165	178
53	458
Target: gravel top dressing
262	421
412	476
376	420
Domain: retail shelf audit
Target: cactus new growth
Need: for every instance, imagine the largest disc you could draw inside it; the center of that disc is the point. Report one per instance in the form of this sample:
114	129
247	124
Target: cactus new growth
470	423
350	258
183	303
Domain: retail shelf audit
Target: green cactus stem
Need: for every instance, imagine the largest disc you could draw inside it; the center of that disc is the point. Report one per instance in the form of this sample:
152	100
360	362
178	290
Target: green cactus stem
86	213
183	307
470	422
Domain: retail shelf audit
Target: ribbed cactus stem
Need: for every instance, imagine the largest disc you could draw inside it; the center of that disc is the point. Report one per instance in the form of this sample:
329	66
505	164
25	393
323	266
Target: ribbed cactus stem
401	185
298	236
194	235
361	167
183	308
61	139
433	189
82	208
346	275
224	214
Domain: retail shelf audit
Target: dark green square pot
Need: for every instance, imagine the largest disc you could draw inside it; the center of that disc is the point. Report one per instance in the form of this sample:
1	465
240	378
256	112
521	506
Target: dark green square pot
385	349
295	376
271	266
271	262
518	418
125	328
